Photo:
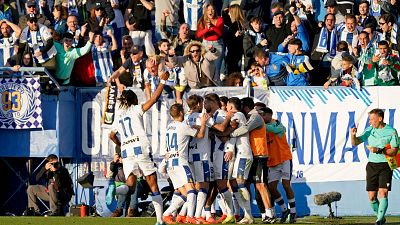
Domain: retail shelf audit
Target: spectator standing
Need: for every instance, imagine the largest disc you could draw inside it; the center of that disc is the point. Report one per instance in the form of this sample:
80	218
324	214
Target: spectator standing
256	8
101	53
138	22
31	8
40	43
106	5
277	32
387	65
390	32
299	65
66	56
364	16
210	28
10	33
349	33
234	20
74	29
171	6
348	76
332	8
382	141
59	21
324	49
364	53
136	66
6	12
198	64
253	40
180	41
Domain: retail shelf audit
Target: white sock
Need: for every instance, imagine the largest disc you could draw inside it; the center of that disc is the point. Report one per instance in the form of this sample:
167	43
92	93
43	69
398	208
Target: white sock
176	203
227	196
243	197
270	212
183	211
201	200
158	206
221	204
207	212
191	199
236	206
262	215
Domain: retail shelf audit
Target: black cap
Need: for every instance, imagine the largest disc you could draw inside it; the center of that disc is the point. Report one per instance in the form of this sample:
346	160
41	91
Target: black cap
68	35
135	49
31	17
330	3
30	3
279	12
99	6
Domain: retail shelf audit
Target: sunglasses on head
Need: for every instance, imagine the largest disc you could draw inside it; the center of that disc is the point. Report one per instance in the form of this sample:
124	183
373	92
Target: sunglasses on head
195	50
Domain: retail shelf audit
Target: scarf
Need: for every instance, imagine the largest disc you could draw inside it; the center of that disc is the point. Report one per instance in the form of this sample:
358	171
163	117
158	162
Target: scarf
349	37
258	36
384	72
72	8
393	35
323	42
350	74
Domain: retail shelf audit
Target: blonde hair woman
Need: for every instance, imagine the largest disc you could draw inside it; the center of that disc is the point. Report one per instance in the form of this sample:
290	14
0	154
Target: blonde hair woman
210	28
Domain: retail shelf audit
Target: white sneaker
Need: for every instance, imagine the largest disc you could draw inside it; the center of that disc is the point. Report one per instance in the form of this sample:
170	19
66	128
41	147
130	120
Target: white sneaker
246	220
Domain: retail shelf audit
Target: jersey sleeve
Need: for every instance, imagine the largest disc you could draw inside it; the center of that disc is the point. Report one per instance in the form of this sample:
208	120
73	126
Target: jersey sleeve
138	110
364	136
189	131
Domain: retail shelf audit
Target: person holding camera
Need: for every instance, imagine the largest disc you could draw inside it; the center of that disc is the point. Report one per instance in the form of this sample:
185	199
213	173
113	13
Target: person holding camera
58	189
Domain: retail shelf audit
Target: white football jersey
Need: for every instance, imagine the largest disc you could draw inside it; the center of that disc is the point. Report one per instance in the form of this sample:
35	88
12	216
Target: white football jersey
218	117
177	137
129	124
201	146
242	142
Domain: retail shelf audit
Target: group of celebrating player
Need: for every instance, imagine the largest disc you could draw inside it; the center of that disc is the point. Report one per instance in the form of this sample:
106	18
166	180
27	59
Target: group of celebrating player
210	151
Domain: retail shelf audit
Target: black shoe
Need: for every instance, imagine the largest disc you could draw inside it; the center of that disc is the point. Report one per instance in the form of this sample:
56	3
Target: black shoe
284	215
31	212
381	222
269	220
292	218
50	213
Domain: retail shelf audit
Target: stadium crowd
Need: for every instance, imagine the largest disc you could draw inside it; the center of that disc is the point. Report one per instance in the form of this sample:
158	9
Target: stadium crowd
205	43
200	44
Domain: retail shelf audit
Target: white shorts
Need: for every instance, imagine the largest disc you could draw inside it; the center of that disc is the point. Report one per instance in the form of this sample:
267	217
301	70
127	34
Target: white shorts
222	169
241	168
180	175
201	170
141	165
281	171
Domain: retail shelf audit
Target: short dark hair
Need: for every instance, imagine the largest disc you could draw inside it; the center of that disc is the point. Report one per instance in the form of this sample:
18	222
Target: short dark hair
175	110
348	58
259	53
247	102
384	42
163	40
297	42
256	19
364	2
260	104
51	157
342	46
388	18
378	112
266	110
214	98
235	102
224	99
371	26
329	14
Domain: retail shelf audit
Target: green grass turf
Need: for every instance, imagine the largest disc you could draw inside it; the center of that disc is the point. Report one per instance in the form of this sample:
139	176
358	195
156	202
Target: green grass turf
150	221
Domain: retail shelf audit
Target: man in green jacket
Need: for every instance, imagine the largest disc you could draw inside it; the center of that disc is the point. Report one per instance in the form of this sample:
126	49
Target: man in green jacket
66	56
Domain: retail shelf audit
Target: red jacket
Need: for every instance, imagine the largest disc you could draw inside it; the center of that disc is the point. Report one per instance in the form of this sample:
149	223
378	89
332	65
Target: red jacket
213	33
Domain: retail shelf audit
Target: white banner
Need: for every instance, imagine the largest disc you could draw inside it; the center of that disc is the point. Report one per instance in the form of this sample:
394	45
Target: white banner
320	120
20	103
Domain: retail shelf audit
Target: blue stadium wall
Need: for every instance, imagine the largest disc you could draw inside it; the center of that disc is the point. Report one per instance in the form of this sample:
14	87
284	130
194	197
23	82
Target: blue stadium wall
62	134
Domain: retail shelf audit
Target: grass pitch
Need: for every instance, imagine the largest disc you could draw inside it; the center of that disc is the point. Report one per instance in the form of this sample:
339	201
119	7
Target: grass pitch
391	220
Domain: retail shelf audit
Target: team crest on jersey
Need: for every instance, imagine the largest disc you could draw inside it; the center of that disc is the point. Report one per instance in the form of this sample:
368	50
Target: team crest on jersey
20	103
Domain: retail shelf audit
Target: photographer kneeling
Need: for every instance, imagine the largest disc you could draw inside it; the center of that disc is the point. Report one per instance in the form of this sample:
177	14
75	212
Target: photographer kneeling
57	191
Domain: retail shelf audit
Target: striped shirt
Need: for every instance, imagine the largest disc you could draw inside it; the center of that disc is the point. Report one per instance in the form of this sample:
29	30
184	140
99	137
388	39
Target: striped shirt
7	48
103	65
192	11
36	41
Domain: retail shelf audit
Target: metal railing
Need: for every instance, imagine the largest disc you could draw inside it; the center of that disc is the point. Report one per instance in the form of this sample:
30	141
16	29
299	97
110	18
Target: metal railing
28	72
